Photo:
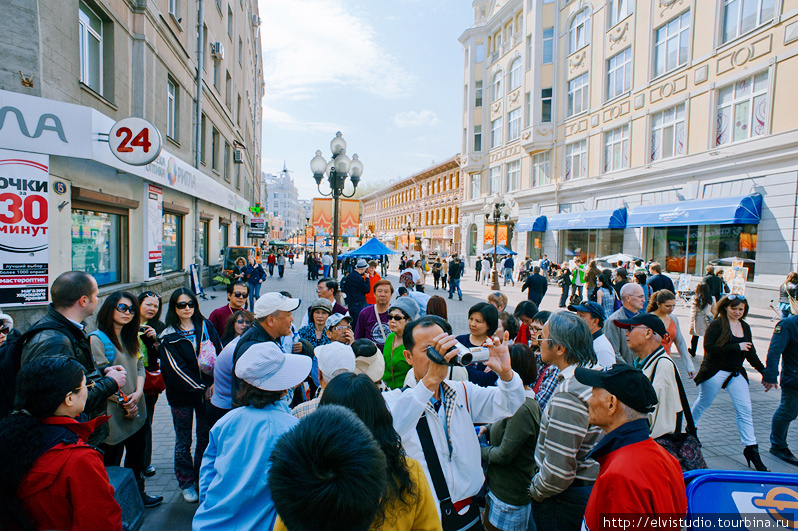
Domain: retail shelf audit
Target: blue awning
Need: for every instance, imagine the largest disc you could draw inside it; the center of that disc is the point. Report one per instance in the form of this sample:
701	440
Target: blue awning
745	209
594	219
534	224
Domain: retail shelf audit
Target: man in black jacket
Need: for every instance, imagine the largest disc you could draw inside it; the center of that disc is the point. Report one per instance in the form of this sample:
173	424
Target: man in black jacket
658	281
355	288
455	272
714	283
62	334
537	286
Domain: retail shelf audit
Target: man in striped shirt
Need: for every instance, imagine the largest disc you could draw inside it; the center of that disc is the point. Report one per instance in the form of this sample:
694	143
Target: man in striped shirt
562	485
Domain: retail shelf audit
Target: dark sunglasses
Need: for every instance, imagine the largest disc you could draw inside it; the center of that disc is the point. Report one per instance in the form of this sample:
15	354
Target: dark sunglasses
396	317
122	308
183	305
5	330
243	321
240	295
735	296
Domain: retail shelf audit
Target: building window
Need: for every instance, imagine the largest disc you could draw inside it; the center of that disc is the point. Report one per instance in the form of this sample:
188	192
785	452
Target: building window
478	94
230	23
670	44
238	110
496	87
514	176
514	125
477	138
619	10
742	109
228	91
206	47
541	169
202	139
479	54
215	147
97	239
173	8
172	245
171	109
576	160
495	180
667	133
545	105
528	107
578	94
548	46
472	240
515	74
579	32
217	75
91	48
227	161
240	52
616	149
741	16
619	74
204	229
496	133
224	234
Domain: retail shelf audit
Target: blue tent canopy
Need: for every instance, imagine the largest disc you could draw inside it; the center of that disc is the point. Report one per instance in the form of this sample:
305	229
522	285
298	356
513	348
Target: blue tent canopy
373	247
745	209
534	224
595	219
500	250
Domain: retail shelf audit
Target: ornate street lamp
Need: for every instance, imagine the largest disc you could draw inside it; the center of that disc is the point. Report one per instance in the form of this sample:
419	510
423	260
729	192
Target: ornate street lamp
493	214
336	171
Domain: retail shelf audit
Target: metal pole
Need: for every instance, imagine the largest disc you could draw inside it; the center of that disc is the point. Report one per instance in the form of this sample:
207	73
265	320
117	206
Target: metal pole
198	132
495	286
336	198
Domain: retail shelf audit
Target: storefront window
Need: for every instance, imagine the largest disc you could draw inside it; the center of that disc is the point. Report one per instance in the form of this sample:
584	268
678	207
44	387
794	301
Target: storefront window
96	245
728	242
223	235
589	244
672	247
203	236
172	242
534	245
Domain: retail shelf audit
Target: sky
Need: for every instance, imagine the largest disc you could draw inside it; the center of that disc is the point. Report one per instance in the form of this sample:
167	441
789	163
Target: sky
387	74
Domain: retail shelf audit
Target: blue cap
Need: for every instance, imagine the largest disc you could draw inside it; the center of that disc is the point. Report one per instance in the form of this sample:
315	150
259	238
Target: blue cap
589	307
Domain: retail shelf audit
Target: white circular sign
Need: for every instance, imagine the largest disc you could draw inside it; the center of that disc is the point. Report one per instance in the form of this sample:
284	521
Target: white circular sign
135	141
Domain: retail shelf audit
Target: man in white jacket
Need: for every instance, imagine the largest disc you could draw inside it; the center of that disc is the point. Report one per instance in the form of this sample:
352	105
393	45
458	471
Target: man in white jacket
450	409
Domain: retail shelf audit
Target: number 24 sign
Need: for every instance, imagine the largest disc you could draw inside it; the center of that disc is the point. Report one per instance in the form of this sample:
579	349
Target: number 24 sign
135	141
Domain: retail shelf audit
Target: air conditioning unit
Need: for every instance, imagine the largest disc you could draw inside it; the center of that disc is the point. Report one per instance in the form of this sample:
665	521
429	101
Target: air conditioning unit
255	20
238	156
217	50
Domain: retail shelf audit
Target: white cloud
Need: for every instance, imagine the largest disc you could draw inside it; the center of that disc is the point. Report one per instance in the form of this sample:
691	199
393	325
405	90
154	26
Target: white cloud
285	121
315	45
421	118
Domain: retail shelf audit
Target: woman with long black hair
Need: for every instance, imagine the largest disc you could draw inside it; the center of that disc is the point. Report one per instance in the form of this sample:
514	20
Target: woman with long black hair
151	325
189	346
483	320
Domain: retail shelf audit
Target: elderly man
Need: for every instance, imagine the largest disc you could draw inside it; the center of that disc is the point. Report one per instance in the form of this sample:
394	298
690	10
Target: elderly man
593	314
632	303
435	417
637	476
339	328
566	473
334	359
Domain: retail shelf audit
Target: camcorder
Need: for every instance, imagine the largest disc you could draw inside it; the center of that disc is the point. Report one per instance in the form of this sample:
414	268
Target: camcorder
465	356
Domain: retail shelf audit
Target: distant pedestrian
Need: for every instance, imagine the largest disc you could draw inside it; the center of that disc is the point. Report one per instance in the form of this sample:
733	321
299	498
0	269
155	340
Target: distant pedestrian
255	276
280	264
326	264
564	281
271	261
478	267
455	272
714	283
658	281
436	272
702	308
509	265
578	277
784	345
787	291
356	287
537	285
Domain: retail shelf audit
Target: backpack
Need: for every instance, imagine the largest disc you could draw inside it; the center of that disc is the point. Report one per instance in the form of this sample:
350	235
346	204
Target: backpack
110	351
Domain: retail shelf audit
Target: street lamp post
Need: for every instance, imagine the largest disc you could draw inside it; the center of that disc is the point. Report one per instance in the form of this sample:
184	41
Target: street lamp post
307	224
494	209
336	171
410	230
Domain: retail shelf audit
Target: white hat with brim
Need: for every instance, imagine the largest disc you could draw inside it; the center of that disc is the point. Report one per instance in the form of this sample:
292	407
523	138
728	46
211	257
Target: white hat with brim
272	302
266	367
373	366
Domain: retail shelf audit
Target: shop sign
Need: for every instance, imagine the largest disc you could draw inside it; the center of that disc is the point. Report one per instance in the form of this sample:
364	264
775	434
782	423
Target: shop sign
154	231
676	213
24	242
448	232
135	141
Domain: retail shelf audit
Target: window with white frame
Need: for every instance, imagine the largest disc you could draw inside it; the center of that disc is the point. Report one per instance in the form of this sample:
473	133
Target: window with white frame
671	44
541	169
514	176
579	32
513	124
616	149
495	180
477	138
576	160
479	53
545	105
619	10
171	109
230	23
496	87
91	48
578	94
668	132
530	51
173	8
529	109
742	109
497	41
515	74
478	93
496	133
548	46
476	185
619	73
741	16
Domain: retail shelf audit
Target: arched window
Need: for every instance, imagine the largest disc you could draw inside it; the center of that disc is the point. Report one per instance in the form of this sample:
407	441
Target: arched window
496	86
515	74
580	31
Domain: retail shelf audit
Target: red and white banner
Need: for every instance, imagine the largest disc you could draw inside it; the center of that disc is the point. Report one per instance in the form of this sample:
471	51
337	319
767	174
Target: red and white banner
24	238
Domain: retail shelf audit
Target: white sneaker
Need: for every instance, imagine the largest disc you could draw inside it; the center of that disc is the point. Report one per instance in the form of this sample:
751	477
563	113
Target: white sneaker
190	495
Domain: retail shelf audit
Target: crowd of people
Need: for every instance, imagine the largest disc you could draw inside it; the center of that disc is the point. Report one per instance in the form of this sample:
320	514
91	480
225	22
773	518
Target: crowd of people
371	412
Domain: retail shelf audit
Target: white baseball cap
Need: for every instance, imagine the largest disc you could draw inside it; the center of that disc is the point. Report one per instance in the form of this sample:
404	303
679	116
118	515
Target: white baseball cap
336	318
272	302
334	359
268	368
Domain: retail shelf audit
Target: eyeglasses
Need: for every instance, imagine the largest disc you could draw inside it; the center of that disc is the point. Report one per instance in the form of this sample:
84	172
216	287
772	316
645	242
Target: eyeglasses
243	322
5	330
150	294
735	296
396	317
122	308
89	385
342	327
183	305
544	339
240	295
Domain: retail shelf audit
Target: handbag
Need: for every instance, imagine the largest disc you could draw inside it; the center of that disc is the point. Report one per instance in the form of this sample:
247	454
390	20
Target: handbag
685	447
206	356
575	300
153	383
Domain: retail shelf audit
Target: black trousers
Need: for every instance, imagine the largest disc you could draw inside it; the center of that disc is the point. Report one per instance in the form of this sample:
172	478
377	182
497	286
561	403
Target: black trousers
133	449
150	400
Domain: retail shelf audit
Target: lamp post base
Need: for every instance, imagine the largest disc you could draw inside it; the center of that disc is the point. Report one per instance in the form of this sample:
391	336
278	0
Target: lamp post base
495	285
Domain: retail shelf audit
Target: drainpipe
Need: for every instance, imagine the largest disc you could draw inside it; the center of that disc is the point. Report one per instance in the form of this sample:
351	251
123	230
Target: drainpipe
198	132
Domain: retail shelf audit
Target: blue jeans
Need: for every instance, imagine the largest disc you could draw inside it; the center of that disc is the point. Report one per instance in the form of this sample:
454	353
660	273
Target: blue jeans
740	397
508	276
786	413
254	293
563	512
325	271
454	283
281	270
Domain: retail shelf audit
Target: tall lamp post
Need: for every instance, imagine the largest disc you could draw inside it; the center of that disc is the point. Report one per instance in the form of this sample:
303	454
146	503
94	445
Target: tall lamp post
493	214
307	224
336	170
410	230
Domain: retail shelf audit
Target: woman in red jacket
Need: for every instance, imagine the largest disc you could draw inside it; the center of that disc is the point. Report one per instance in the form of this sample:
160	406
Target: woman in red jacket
52	479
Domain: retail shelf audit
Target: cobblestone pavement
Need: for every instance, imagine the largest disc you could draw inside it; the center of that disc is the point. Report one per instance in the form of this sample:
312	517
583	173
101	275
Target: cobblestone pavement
718	431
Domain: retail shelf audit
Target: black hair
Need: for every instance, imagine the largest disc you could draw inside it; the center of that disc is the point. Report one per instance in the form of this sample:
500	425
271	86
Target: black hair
621	273
130	332
42	385
424	322
69	287
364	348
331	283
526	309
171	315
489	313
402	291
605	281
249	395
523	362
510	324
145	294
541	317
230	324
358	393
640	277
331	462
232	286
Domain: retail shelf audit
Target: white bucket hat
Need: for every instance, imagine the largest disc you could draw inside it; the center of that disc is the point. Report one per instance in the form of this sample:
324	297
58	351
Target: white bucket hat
266	367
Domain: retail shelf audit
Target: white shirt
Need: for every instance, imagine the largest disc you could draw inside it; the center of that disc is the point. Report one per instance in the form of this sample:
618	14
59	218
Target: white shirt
473	404
604	351
326	260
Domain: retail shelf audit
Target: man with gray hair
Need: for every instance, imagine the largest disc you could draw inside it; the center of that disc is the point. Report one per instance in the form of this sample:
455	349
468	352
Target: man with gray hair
561	487
632	303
